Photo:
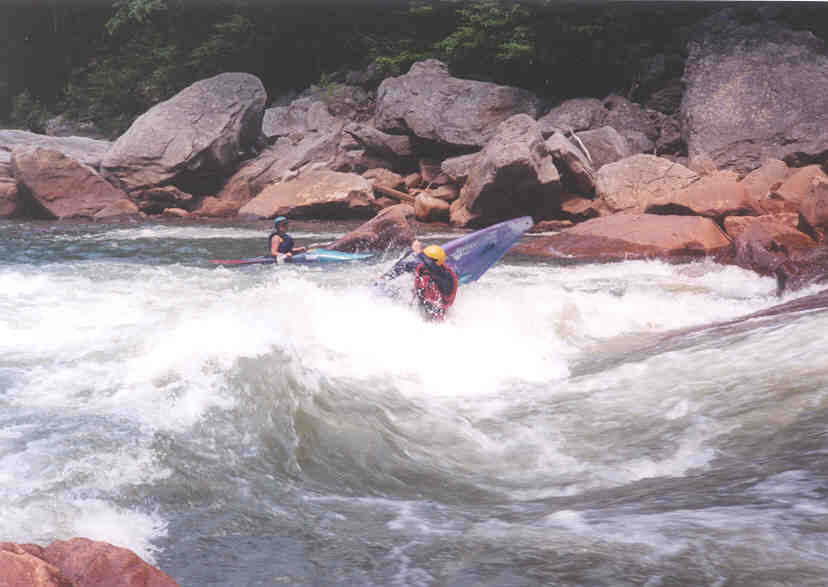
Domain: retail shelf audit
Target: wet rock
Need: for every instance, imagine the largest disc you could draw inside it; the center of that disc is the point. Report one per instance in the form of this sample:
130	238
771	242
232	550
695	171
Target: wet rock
715	196
20	567
633	236
389	230
763	246
121	209
87	563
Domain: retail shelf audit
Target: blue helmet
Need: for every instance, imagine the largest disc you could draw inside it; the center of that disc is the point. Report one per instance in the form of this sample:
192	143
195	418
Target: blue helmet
277	220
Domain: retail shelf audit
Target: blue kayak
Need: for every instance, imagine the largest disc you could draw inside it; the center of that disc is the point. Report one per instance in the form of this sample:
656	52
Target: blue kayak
312	256
471	256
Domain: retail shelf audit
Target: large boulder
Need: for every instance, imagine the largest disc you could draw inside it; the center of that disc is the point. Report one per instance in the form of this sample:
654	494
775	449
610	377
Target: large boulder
629	185
389	230
633	236
797	185
279	162
78	562
716	195
89	563
755	91
84	150
203	130
53	185
512	176
315	194
21	567
431	104
764	247
759	182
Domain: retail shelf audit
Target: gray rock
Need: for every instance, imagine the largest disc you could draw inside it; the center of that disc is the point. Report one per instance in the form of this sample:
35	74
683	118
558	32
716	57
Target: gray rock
576	115
605	145
754	92
82	149
203	130
431	104
513	175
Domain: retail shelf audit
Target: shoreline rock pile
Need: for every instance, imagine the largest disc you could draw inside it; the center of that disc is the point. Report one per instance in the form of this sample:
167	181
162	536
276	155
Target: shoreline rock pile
729	161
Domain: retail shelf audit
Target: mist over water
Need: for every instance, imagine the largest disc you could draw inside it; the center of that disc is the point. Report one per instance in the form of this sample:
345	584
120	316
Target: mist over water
263	425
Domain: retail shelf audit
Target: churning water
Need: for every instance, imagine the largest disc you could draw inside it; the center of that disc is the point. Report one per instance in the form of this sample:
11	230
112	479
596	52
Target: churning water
267	425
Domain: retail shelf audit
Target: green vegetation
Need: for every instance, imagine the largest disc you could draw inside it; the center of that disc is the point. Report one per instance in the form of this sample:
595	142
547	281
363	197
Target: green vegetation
109	61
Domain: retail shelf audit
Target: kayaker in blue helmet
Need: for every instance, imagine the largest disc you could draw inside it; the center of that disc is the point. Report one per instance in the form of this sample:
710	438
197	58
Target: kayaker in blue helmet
280	243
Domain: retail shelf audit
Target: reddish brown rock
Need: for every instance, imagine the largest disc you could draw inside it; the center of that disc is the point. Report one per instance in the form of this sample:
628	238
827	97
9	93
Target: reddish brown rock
56	186
119	209
736	225
759	182
633	236
19	568
385	178
390	229
87	563
315	194
551	226
716	195
633	182
797	186
429	209
764	246
580	209
212	207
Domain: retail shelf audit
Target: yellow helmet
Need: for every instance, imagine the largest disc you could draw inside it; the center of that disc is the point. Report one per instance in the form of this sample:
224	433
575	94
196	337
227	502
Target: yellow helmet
435	252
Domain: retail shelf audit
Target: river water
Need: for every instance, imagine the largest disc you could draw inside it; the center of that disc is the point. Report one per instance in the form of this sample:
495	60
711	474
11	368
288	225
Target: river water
270	425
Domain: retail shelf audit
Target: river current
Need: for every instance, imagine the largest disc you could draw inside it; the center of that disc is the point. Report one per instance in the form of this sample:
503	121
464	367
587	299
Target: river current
285	425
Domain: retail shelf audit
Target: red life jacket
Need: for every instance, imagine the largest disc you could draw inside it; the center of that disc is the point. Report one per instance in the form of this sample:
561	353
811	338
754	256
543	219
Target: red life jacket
433	301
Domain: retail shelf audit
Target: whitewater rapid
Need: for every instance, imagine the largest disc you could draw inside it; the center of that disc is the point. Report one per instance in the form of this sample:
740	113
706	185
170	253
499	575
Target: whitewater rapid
144	390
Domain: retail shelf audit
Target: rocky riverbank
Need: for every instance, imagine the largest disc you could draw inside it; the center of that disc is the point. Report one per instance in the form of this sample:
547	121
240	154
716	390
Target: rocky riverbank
729	161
